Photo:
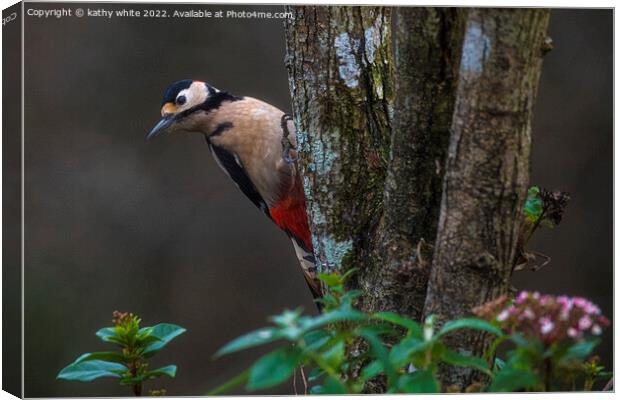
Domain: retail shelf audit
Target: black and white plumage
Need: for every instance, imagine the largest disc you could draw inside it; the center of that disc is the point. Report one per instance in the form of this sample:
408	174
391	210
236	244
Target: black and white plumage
246	138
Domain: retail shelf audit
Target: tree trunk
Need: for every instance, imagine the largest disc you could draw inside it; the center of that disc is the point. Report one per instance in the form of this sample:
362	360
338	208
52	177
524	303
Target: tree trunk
372	185
428	42
487	169
340	68
380	136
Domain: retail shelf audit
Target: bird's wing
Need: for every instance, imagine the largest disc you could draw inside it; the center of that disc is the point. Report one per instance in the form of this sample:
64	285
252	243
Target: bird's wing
289	214
231	164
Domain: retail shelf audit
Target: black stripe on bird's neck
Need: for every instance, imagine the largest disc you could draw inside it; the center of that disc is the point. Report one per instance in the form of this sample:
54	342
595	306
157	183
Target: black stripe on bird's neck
221	128
213	102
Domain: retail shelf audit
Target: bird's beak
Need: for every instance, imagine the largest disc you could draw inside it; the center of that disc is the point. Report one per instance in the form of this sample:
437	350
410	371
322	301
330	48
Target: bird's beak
167	112
161	127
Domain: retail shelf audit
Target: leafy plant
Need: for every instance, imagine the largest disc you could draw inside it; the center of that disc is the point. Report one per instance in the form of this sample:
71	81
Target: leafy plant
542	208
129	363
345	349
549	341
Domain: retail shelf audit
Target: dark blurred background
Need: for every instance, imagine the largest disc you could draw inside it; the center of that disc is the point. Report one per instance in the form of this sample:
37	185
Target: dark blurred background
116	223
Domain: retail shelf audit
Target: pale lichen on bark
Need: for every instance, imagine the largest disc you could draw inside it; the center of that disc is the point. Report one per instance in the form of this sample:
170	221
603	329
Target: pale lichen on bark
415	164
337	58
487	171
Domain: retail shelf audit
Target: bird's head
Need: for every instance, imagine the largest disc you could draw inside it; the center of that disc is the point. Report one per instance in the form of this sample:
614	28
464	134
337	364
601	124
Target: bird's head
183	105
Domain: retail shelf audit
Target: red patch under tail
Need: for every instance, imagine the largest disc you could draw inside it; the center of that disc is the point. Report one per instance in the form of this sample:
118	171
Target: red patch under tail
290	215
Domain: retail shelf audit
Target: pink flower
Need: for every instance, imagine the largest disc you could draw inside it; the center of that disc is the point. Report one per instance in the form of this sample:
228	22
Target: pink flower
592	309
546	325
522	297
567	303
527	313
503	316
580	302
585	322
547	318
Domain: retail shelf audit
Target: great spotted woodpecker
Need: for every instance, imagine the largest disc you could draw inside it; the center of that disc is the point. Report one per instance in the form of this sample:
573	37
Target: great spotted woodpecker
254	143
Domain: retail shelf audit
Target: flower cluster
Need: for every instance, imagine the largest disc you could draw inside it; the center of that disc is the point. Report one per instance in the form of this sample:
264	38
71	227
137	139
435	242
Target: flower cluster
548	318
124	318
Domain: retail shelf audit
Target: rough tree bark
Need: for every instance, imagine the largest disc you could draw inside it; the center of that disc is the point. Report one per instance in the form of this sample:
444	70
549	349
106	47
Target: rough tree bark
373	169
487	169
427	55
374	130
340	69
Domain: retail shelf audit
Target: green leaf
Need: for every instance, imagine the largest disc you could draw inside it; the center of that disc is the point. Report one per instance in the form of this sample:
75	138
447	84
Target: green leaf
402	352
146	331
274	368
498	364
317	389
511	380
469	323
102	356
379	351
330	280
316	339
579	351
371	370
144	337
109	335
252	339
533	204
412	327
331	317
462	360
224	388
332	385
334	355
315	374
349	296
168	370
418	382
287	318
146	341
328	300
521	341
165	332
379	329
348	274
90	370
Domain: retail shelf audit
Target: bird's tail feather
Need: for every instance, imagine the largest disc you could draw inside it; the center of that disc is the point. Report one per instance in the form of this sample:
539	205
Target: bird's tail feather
308	267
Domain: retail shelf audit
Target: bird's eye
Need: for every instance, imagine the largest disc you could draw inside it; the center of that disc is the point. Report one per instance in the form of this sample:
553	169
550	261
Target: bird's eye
181	100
